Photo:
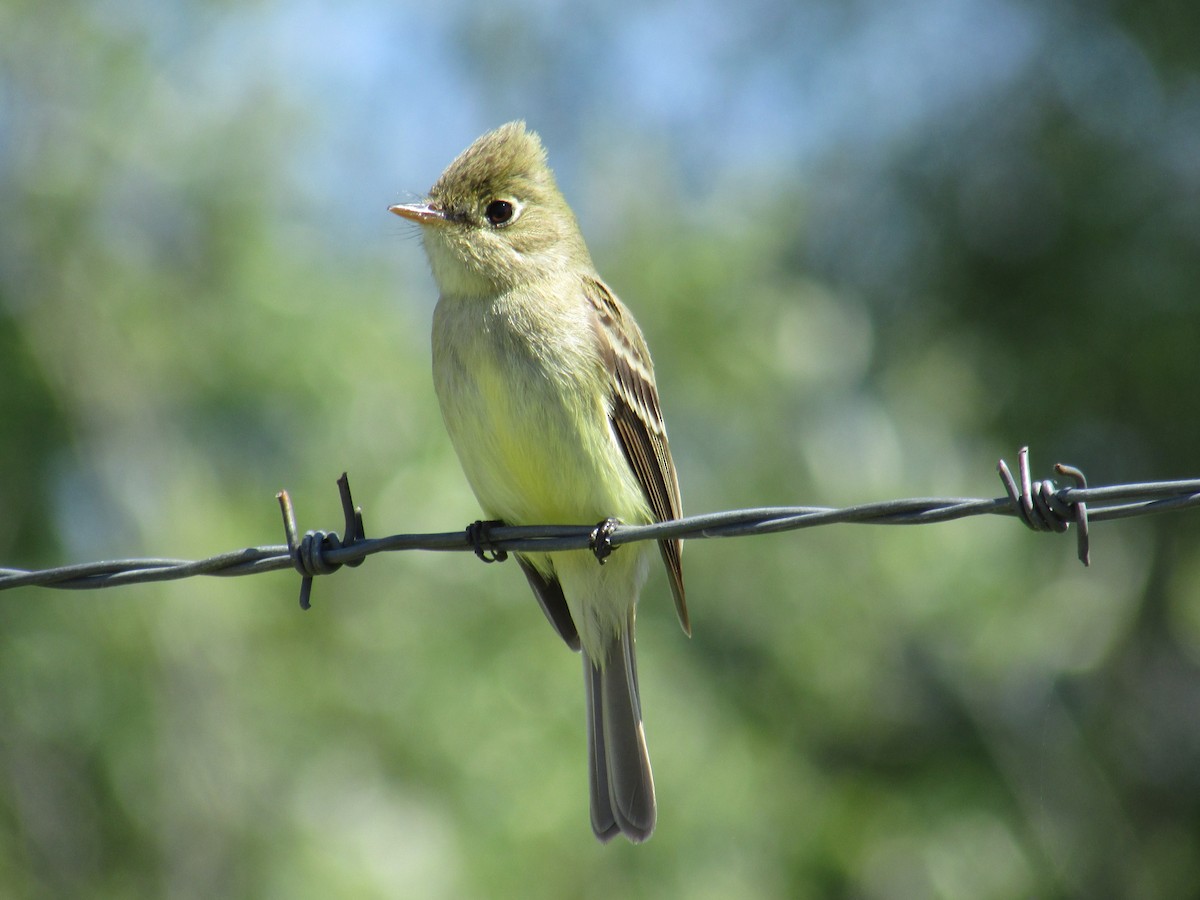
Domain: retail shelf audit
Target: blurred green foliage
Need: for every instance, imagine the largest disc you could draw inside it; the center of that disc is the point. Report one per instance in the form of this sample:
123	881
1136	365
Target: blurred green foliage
189	322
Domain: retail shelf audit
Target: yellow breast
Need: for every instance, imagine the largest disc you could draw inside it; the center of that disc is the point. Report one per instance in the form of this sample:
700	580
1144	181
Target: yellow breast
527	416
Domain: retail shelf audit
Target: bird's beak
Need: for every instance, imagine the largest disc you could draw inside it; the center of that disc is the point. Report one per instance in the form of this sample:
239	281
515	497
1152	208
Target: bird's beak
421	213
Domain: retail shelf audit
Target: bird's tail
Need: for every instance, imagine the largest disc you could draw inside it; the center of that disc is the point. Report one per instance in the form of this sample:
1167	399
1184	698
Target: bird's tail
622	787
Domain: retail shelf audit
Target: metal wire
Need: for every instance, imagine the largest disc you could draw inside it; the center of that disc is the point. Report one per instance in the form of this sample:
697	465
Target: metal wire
1040	505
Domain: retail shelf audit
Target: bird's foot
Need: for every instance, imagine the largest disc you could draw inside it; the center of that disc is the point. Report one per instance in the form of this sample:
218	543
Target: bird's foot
601	539
479	534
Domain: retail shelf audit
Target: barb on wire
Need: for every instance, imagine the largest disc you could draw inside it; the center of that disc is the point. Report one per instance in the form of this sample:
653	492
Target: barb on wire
308	554
1040	505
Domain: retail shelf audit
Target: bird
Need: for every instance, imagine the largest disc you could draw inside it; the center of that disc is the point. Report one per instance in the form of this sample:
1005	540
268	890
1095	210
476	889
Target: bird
548	394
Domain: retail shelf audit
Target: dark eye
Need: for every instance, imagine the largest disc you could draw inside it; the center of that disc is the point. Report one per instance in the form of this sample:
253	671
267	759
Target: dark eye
500	212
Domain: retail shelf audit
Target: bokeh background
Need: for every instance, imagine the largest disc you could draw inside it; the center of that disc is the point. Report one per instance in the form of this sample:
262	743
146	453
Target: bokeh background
874	246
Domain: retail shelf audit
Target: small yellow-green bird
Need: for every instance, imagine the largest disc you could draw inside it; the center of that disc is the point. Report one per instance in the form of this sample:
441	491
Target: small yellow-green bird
548	394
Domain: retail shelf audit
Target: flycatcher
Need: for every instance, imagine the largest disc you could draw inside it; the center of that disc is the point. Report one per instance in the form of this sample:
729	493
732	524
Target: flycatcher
548	394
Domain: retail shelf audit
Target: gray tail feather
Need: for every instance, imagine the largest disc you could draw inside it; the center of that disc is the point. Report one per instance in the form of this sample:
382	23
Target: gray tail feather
622	787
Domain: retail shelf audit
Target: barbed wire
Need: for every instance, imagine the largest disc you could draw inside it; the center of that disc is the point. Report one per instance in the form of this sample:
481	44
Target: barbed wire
1040	505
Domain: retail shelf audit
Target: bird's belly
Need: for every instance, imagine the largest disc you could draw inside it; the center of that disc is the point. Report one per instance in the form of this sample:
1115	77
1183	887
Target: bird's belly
534	442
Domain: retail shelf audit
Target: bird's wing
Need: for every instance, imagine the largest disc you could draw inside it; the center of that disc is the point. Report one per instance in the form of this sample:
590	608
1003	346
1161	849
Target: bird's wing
637	422
550	597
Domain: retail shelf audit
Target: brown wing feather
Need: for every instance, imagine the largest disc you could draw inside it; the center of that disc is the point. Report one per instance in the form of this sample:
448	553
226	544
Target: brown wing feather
638	425
550	597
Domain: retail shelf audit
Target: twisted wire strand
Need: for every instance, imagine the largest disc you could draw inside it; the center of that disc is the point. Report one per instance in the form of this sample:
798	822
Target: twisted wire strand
1040	505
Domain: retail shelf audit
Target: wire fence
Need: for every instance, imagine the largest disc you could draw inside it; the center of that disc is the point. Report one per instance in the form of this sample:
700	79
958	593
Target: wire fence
1040	505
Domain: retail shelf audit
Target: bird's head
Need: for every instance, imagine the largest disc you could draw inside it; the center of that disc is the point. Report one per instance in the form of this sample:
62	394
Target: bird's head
495	219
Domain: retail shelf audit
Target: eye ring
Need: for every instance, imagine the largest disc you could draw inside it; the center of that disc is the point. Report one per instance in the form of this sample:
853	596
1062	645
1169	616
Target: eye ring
501	212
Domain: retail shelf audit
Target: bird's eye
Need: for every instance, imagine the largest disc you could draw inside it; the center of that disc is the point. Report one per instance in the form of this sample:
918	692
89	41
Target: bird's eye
500	212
